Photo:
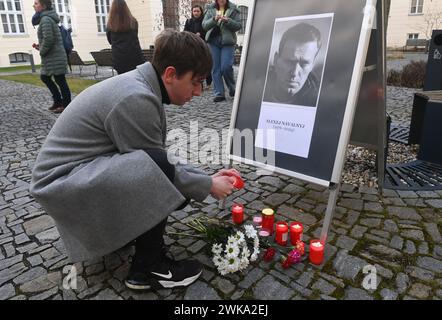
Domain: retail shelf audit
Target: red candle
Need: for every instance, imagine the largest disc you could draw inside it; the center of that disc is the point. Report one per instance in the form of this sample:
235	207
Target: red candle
238	213
239	183
268	219
282	232
296	232
316	252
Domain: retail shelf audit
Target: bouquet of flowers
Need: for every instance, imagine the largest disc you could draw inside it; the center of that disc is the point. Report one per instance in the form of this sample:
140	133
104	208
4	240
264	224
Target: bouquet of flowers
236	255
232	249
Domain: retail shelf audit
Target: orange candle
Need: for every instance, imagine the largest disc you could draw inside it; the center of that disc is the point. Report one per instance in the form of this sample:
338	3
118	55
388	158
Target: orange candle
316	255
296	232
238	213
282	232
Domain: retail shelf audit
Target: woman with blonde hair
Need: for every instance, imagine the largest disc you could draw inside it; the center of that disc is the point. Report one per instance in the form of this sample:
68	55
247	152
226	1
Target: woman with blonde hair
122	34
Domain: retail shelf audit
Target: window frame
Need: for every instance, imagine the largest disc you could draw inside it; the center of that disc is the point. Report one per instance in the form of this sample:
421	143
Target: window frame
414	9
101	14
13	17
243	15
65	15
412	35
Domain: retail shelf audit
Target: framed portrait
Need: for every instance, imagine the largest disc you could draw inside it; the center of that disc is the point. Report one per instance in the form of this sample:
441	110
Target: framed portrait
298	83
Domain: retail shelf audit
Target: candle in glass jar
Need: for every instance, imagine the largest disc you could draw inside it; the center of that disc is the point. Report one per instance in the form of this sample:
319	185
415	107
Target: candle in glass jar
268	219
316	255
282	232
296	232
238	213
257	221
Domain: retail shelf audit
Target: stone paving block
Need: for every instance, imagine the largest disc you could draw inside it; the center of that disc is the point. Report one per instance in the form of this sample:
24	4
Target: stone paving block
30	275
420	291
42	283
11	273
345	242
388	294
357	294
348	266
269	288
48	236
224	285
251	278
430	264
324	287
45	295
433	231
107	294
38	225
201	291
435	203
354	204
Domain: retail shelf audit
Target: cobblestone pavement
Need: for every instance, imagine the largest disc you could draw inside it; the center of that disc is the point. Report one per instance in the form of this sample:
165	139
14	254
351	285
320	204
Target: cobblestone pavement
399	232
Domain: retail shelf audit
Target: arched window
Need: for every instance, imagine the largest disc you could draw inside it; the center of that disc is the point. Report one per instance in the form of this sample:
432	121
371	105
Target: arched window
243	12
19	57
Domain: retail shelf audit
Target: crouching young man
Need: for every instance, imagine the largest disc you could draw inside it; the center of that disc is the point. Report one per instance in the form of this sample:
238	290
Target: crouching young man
103	172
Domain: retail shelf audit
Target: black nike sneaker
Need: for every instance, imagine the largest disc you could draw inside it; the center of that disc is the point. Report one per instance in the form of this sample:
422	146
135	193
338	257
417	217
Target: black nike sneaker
167	273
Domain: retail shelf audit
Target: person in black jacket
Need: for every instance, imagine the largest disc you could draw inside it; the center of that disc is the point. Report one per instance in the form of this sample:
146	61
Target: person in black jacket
195	25
122	34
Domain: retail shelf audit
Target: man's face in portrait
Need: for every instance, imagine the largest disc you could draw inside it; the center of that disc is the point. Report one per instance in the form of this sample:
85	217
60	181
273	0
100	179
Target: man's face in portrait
294	64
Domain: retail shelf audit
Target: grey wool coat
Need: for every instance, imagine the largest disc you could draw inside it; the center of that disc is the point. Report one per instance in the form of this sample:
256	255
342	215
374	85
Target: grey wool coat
53	56
92	175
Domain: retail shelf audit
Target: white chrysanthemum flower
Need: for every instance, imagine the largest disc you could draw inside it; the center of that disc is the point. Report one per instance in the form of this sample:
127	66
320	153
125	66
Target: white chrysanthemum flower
245	253
233	265
243	264
231	239
256	243
254	256
217	248
217	260
250	231
240	237
232	250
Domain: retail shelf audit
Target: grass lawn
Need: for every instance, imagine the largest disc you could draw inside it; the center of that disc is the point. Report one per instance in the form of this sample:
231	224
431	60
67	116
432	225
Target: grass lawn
18	68
76	85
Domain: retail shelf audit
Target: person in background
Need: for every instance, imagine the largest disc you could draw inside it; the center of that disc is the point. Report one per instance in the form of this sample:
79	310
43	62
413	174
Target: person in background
221	22
195	25
122	34
52	53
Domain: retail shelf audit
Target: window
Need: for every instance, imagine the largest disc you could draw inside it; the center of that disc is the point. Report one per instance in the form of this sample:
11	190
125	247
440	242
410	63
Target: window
417	6
243	12
102	9
12	17
171	14
413	36
62	7
18	57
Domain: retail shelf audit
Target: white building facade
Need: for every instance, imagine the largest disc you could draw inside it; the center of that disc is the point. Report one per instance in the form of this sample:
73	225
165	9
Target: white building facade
88	19
412	19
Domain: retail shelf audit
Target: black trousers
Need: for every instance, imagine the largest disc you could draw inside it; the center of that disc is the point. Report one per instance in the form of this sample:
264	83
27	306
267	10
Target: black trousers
60	96
149	246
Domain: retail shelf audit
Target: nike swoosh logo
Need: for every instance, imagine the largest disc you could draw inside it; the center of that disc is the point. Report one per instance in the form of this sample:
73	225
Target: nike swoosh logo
165	276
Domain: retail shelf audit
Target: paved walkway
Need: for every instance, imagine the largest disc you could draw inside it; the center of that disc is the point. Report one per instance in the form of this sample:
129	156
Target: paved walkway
398	233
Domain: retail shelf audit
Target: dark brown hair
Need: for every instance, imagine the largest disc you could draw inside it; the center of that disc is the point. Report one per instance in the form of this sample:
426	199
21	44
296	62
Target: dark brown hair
184	51
47	4
217	5
120	19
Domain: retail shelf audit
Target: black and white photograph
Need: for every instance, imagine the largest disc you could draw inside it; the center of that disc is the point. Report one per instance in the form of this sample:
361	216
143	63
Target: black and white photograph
297	59
293	84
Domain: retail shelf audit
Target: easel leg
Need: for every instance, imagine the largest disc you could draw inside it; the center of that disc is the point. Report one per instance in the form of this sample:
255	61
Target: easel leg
334	191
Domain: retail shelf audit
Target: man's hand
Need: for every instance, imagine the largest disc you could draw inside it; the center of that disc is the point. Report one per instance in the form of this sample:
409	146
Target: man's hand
222	185
228	173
